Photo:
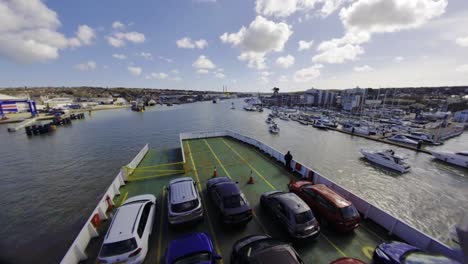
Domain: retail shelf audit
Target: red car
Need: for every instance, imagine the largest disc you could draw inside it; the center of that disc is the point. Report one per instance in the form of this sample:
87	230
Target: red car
347	261
327	205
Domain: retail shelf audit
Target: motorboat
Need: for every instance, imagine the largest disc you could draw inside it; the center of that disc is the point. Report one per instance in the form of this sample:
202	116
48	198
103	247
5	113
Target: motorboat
303	122
356	129
387	158
402	139
423	137
319	125
250	108
457	158
329	123
274	129
284	117
233	106
269	120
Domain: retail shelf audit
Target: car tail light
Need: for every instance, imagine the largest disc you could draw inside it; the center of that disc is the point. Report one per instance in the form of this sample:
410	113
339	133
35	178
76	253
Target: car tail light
136	252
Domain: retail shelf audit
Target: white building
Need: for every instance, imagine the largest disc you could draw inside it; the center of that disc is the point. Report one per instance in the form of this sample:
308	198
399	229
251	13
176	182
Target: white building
58	102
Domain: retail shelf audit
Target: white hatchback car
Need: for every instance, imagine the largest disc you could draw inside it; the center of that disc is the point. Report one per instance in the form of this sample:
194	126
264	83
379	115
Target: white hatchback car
126	240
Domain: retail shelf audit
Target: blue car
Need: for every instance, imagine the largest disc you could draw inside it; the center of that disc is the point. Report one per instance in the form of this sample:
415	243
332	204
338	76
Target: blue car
194	248
398	252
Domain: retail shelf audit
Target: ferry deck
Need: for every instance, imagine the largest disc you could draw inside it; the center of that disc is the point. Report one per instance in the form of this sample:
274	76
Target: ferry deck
236	160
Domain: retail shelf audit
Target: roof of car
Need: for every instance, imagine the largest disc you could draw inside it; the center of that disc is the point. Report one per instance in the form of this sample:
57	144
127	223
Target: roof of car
277	254
182	190
330	195
227	188
123	224
188	244
293	202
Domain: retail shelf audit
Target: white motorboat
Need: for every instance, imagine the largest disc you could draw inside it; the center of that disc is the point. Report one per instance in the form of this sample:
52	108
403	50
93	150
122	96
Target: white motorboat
274	129
422	136
457	158
303	122
319	125
250	108
387	158
269	120
402	139
356	130
284	117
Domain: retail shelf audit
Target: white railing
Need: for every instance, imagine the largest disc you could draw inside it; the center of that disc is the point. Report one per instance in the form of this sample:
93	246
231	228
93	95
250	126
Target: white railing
391	223
76	252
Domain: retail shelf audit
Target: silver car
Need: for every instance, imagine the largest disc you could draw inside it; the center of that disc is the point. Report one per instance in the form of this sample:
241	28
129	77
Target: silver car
292	212
183	201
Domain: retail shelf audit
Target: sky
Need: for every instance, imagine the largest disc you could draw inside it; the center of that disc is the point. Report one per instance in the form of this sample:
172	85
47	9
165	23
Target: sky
247	46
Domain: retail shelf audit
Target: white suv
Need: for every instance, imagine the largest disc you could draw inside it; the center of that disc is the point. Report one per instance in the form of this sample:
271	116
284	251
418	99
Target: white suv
126	240
183	202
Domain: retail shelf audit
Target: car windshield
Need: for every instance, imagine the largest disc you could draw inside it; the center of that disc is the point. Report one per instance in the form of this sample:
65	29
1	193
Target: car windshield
304	217
420	257
199	257
185	206
349	212
233	201
118	248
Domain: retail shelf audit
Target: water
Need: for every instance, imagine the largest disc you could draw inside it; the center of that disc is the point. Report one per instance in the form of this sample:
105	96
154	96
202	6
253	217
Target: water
50	184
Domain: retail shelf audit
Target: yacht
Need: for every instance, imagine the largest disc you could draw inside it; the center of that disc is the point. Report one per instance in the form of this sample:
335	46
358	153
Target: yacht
457	158
402	139
387	158
274	129
422	136
269	120
284	117
303	122
356	129
319	125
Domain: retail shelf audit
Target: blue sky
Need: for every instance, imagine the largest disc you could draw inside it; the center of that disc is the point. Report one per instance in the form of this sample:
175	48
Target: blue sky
246	45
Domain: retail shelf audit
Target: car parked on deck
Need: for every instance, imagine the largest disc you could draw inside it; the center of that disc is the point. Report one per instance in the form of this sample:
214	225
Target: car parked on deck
183	201
126	240
194	248
256	249
401	253
327	205
347	261
292	212
229	200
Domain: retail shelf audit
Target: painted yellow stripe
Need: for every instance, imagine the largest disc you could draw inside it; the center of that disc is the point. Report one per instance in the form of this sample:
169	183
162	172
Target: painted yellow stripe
136	178
217	159
248	164
203	201
124	198
153	170
160	165
161	220
328	240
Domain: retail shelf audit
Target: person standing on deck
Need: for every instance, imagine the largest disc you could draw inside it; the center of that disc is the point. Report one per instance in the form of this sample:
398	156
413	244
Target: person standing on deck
288	158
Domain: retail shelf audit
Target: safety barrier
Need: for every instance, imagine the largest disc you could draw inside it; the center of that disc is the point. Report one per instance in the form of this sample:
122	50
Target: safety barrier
391	223
76	252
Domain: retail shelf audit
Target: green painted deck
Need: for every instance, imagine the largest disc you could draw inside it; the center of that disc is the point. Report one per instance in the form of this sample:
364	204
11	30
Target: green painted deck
237	161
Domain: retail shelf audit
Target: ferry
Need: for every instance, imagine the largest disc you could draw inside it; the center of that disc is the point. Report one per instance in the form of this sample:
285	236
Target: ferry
257	169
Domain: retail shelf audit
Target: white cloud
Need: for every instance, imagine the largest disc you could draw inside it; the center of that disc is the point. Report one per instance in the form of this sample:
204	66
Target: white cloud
305	45
146	55
284	8
283	78
364	68
261	37
463	41
203	63
175	71
264	77
203	71
285	61
136	71
85	34
157	76
166	59
220	75
87	66
339	50
399	59
188	43
119	56
119	39
307	74
118	25
462	68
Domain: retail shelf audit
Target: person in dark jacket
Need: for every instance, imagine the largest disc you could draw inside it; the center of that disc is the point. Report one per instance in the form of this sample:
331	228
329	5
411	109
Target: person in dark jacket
288	158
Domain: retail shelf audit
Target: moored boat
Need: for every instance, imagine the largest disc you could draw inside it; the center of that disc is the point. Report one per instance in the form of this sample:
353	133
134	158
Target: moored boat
402	139
456	158
387	158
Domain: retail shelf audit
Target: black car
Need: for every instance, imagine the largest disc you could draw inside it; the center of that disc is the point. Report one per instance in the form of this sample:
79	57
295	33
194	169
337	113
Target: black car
292	212
229	200
263	249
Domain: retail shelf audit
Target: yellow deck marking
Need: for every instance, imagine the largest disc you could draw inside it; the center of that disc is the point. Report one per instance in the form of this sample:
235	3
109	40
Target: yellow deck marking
248	164
368	251
153	170
135	178
161	219
372	232
124	198
217	159
229	175
203	202
160	165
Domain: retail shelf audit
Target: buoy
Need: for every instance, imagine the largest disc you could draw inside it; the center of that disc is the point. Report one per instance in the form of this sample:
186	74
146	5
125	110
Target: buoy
215	173
251	180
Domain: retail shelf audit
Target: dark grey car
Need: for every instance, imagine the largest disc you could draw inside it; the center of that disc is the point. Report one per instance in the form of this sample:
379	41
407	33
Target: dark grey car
229	200
292	212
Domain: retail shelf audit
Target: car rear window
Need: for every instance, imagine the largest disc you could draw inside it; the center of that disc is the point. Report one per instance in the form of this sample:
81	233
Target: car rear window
185	206
304	217
233	201
349	212
199	257
118	248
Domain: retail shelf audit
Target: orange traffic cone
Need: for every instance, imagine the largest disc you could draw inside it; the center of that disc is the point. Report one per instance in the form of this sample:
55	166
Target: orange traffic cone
251	180
215	173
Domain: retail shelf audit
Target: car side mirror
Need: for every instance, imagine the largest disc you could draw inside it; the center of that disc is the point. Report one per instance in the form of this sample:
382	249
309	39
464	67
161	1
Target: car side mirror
217	257
237	182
